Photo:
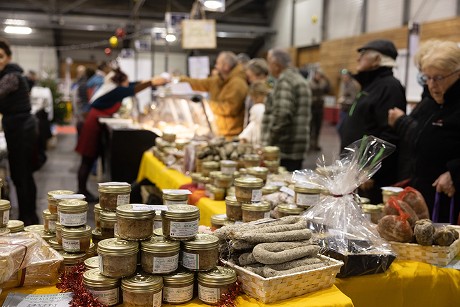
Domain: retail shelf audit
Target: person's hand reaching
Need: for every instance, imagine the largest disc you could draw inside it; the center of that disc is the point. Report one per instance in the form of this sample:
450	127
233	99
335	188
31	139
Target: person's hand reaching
444	184
393	115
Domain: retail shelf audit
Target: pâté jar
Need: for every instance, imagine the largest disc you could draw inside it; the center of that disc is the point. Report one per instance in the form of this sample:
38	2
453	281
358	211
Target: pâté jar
255	211
175	197
208	166
142	289
203	181
107	222
223	180
70	260
271	153
157	220
270	189
76	239
289	209
53	243
117	257
15	226
159	256
5	207
49	221
213	284
135	221
228	167
178	287
259	172
201	254
4	231
215	193
169	137
53	202
272	166
105	289
306	195
251	160
113	194
248	189
195	178
387	192
73	212
59	233
92	263
219	220
96	236
233	208
180	222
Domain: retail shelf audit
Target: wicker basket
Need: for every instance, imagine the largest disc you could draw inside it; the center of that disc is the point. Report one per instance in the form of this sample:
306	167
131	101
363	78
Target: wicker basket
269	290
437	255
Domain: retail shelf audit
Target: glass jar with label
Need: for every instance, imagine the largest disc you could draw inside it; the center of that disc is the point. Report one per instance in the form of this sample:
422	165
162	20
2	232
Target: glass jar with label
178	287
388	192
160	256
228	167
72	212
5	207
175	197
76	239
113	194
219	220
233	209
92	263
223	181
105	289
289	209
213	284
201	254
209	166
255	211
157	220
117	257
259	172
306	195
15	226
135	221
180	222
70	260
108	219
49	221
248	189
142	290
271	153
97	212
53	202
251	160
215	193
272	166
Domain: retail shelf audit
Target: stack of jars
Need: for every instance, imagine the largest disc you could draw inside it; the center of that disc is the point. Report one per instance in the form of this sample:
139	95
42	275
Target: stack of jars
271	158
248	203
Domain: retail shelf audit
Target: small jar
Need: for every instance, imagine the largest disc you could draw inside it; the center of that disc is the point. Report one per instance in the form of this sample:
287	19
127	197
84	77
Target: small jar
117	257
270	189
59	233
372	213
49	221
157	220
15	226
175	197
108	219
160	256
209	166
77	239
255	211
219	220
248	189
272	166
73	212
289	209
203	182
212	285
97	214
306	195
96	236
251	160
223	180
135	221
5	207
169	137
215	193
92	263
271	153
233	208
178	287
259	172
142	290
53	202
388	192
180	222
201	254
180	144
228	167
106	290
70	260
113	194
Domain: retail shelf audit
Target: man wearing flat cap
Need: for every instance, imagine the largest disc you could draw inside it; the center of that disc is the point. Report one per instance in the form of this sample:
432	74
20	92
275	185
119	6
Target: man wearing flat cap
368	115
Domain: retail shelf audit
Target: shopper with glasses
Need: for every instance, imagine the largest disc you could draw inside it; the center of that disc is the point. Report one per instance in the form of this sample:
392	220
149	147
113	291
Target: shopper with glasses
433	128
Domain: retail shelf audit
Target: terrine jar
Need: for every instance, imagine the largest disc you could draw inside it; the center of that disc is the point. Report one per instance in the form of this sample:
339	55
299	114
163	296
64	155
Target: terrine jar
105	289
72	212
142	289
209	166
76	239
306	195
5	207
251	160
180	222
255	211
117	257
113	194
70	260
222	180
175	197
248	189
213	284
289	209
271	153
200	254
49	221
178	287
92	263
272	166
15	226
53	202
228	167
233	208
259	172
219	220
135	221
107	222
160	256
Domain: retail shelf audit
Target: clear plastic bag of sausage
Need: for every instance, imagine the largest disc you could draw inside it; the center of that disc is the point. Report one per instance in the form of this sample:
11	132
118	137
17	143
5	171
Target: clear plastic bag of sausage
344	232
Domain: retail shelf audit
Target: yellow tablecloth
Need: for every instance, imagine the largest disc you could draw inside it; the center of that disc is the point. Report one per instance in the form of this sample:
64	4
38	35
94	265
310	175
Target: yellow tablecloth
208	208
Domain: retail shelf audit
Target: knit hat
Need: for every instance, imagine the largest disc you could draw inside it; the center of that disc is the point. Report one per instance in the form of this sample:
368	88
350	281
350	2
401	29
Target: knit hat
383	46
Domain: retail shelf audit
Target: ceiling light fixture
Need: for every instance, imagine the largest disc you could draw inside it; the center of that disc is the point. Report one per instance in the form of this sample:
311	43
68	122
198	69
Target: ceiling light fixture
214	5
18	30
170	38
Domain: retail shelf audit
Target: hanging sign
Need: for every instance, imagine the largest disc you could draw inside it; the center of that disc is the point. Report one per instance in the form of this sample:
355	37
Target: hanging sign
199	34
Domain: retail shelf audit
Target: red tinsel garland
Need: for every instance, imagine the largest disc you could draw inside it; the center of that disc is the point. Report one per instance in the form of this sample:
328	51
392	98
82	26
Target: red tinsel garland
73	282
229	299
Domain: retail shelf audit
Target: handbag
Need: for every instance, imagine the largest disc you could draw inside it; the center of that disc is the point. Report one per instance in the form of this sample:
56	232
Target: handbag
437	203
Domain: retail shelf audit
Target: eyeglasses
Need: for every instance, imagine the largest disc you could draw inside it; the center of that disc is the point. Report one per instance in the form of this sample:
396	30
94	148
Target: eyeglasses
436	79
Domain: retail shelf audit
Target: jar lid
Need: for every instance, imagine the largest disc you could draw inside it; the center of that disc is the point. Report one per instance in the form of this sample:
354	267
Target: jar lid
214	174
158	232
391	190
35	228
181	212
195	176
249	182
48	215
5	204
215	190
94	278
76	232
92	263
142	282
270	189
219	219
117	247
262	206
228	163
179	278
223	176
251	157
72	258
97	208
368	208
108	216
257	170
51	194
114	187
160	245
4	231
135	211
202	241
58	225
211	165
53	243
96	234
72	206
364	200
271	149
176	195
218	276
204	179
15	226
232	201
307	188
273	163
290	209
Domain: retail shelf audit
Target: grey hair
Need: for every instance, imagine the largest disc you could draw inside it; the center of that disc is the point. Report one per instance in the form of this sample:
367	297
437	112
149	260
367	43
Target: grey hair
258	66
280	56
229	58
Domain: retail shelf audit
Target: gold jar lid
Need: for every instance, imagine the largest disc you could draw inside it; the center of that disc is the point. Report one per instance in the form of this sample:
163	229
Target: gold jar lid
270	189
262	206
215	190
364	200
178	278
228	163
243	171
257	170
117	247
114	187
204	180
232	201
108	216
220	219
181	212
223	176
271	149
97	208
72	258
76	232
176	195
210	165
35	228
202	241
218	276
51	194
72	206
214	174
96	234
249	182
160	245
5	204
15	226
367	208
53	243
391	191
48	215
135	211
195	176
142	282
270	163
92	263
94	278
58	225
4	231
158	232
307	188
251	157
290	209
181	143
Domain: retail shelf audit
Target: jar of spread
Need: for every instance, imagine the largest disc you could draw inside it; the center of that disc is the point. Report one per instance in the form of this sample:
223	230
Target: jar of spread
180	222
117	257
271	153
72	212
248	189
53	202
201	254
306	195
160	256
233	209
113	194
5	207
259	172
15	226
142	289
175	197
219	220
76	239
228	167
49	221
213	284
178	287
289	209
105	289
255	211
107	222
135	221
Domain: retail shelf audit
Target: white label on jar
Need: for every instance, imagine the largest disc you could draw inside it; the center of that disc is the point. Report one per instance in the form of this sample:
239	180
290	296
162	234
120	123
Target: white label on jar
157	224
72	219
208	295
178	295
174	202
288	191
256	195
142	207
101	266
190	261
165	264
122	199
104	184
71	245
157	298
51	226
6	217
306	199
228	170
183	229
69	196
267	215
107	297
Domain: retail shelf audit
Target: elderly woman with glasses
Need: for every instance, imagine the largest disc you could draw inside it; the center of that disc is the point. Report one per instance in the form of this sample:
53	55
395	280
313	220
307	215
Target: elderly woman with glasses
432	130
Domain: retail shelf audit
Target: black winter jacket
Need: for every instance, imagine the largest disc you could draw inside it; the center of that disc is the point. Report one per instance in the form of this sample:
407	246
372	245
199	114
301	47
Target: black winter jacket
14	91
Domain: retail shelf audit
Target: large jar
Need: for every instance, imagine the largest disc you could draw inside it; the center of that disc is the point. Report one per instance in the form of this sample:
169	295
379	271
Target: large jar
180	222
213	284
113	194
201	254
76	239
53	202
142	289
233	208
175	197
117	257
306	195
248	189
178	287
228	167
135	221
49	221
259	172
92	263
105	289
5	207
160	256
107	221
72	212
255	211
